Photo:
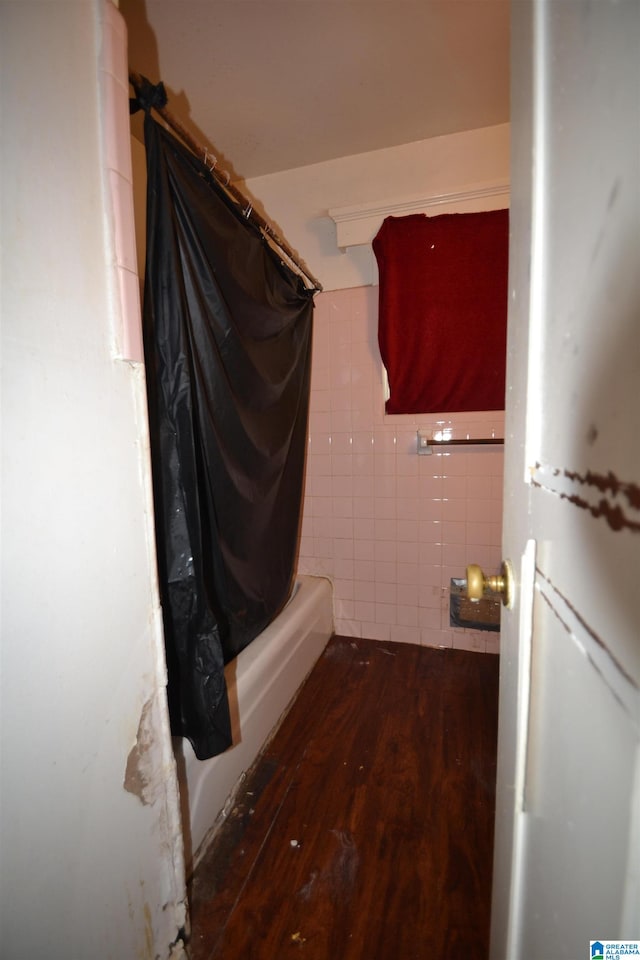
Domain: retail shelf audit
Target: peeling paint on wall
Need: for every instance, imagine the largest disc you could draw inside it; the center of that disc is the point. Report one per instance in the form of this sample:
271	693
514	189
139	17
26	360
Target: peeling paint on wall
142	773
147	949
603	496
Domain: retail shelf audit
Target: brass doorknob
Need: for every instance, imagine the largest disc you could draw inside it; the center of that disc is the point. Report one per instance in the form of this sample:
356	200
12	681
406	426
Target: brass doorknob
502	583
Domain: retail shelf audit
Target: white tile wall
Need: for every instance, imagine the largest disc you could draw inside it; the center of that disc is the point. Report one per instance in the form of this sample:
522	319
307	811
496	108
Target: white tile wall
390	527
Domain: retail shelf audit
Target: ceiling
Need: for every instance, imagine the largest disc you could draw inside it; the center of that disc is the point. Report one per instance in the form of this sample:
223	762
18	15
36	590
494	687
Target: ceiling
268	85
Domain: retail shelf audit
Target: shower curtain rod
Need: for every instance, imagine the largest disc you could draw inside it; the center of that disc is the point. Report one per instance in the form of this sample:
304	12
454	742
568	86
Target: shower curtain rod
224	179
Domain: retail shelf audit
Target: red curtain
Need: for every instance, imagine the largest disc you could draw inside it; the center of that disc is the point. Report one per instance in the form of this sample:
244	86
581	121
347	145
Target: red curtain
443	310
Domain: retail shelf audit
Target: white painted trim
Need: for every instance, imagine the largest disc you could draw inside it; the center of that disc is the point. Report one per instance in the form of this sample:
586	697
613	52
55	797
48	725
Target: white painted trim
358	224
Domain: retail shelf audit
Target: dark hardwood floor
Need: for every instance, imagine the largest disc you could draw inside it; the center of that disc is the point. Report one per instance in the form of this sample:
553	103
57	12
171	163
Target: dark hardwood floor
365	829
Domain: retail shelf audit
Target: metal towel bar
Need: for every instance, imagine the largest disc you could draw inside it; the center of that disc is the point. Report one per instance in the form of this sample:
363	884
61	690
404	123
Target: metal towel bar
466	442
425	443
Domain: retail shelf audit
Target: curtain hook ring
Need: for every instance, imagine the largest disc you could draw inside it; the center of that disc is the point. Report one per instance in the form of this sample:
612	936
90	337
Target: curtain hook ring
228	176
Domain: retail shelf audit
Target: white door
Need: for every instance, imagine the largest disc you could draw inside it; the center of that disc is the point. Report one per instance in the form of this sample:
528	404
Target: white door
567	856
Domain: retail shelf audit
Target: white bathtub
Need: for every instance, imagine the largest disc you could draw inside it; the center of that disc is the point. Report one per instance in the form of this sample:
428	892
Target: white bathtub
261	683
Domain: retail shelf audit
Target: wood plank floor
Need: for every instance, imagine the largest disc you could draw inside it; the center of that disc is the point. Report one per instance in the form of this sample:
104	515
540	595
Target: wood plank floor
365	829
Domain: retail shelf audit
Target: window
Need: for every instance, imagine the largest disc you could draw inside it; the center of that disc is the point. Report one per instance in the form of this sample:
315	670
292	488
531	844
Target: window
443	310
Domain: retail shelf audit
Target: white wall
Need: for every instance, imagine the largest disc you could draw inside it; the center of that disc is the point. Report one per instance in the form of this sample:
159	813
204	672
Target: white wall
298	201
88	868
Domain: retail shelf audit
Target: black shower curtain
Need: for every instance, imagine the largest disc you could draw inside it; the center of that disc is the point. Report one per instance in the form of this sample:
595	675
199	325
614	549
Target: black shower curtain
227	332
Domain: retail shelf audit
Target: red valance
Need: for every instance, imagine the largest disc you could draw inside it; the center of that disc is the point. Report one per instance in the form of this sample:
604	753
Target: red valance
442	325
